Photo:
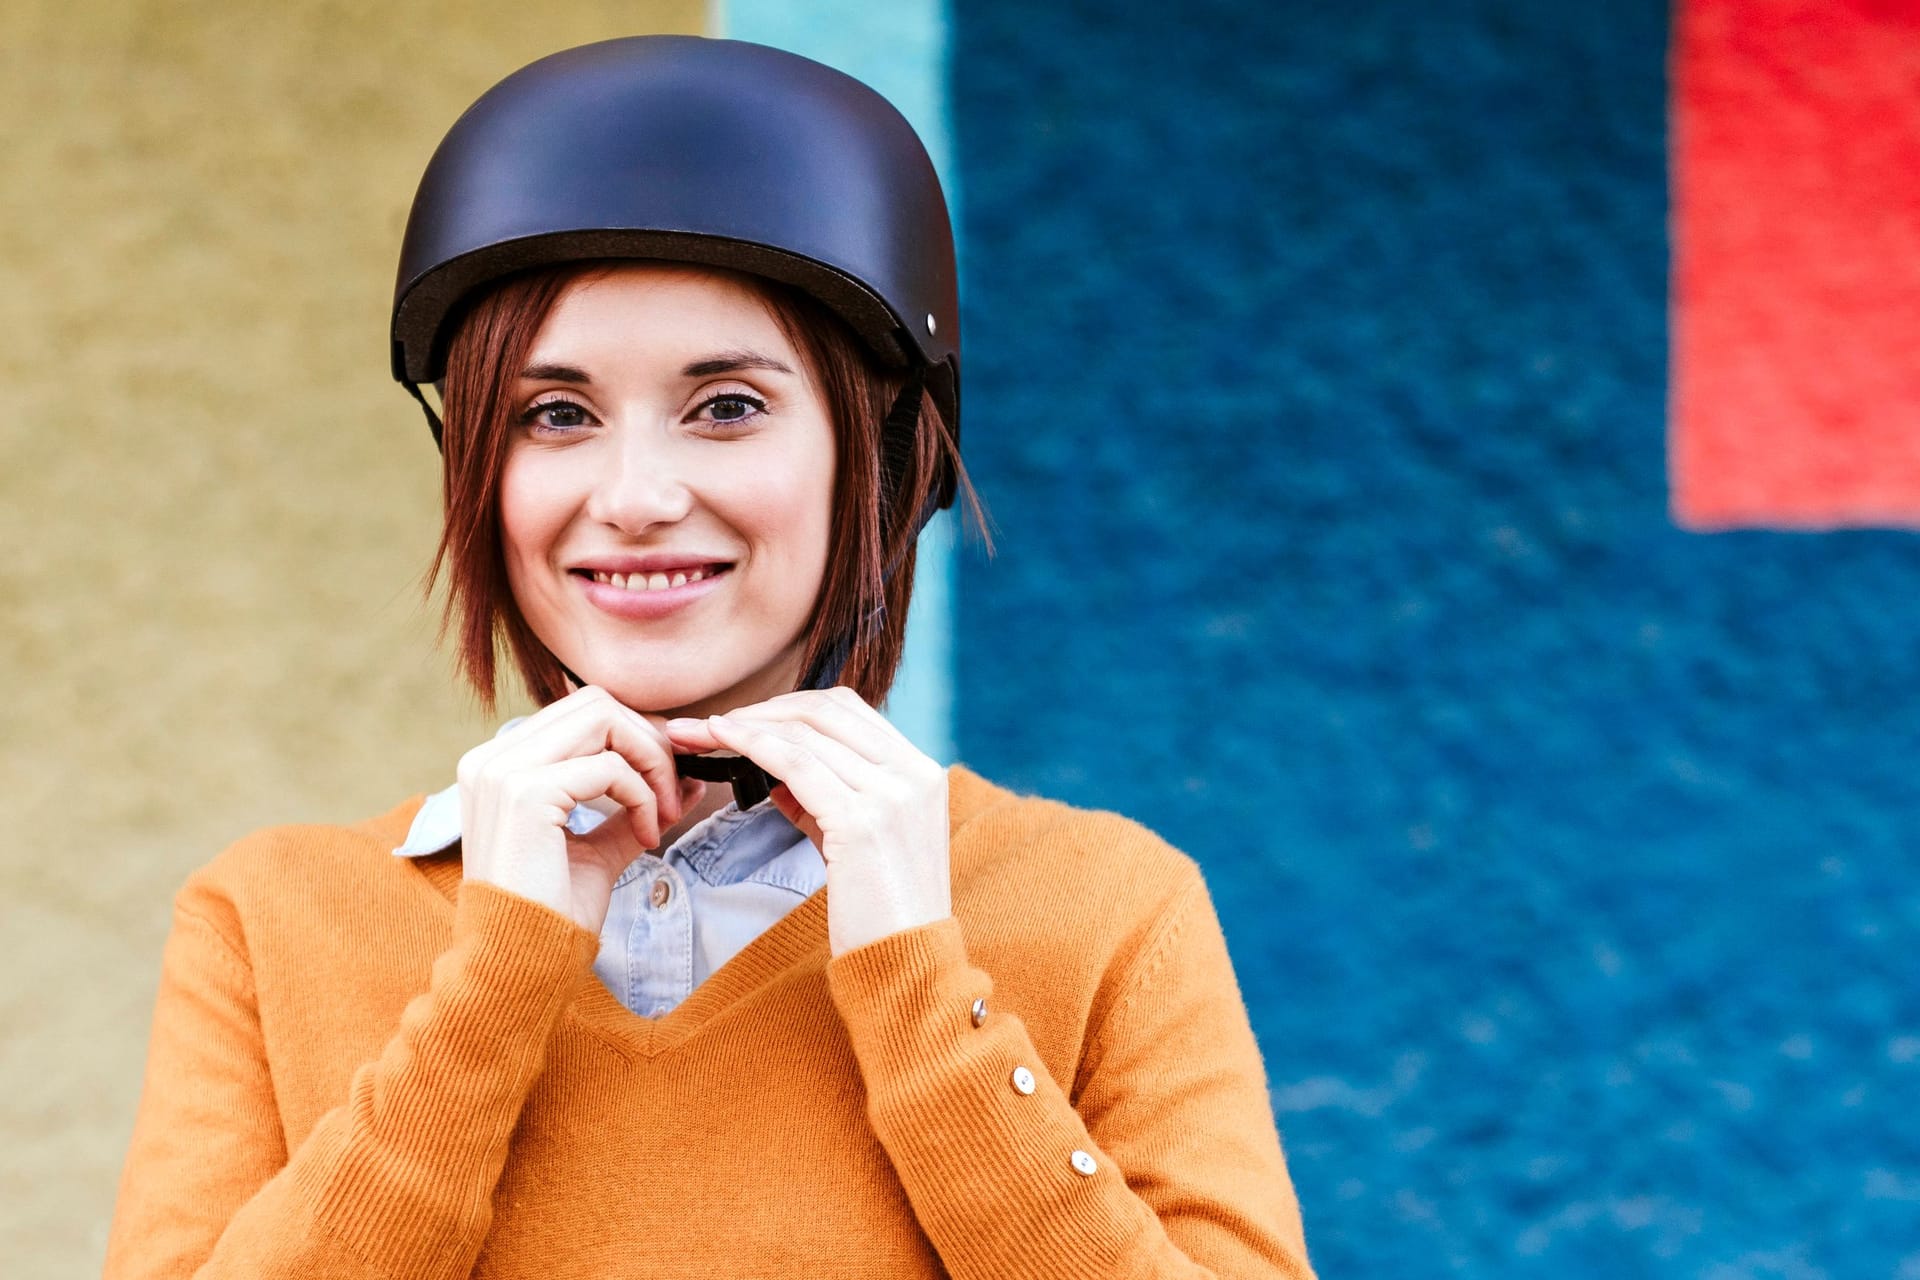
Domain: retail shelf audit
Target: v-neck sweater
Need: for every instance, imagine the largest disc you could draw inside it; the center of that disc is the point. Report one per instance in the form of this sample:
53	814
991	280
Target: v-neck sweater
364	1066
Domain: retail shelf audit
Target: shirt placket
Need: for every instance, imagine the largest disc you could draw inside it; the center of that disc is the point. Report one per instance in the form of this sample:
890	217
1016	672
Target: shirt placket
659	940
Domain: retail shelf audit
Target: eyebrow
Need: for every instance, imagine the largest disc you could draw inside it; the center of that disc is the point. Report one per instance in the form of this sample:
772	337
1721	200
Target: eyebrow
555	373
720	362
732	361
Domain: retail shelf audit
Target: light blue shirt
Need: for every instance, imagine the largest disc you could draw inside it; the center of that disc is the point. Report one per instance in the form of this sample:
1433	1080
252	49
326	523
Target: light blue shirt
677	916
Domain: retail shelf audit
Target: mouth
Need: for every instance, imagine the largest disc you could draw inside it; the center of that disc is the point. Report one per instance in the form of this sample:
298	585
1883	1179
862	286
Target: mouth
640	583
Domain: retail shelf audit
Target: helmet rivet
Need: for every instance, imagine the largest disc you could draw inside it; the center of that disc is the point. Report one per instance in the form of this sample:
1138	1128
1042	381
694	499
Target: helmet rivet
933	326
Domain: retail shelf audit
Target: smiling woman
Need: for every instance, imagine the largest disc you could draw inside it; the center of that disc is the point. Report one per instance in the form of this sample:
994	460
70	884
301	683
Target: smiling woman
561	358
665	498
689	441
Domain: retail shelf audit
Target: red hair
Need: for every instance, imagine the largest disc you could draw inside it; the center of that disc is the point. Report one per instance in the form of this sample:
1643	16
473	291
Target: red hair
877	499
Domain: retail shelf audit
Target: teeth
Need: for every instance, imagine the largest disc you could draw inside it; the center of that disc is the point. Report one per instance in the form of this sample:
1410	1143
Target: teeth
651	581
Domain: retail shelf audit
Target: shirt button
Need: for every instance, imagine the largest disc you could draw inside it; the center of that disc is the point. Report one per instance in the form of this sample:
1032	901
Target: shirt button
662	893
979	1013
1083	1164
1023	1080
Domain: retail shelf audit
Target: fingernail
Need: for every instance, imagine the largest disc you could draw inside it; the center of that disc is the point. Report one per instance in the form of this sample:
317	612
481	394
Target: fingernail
682	724
720	722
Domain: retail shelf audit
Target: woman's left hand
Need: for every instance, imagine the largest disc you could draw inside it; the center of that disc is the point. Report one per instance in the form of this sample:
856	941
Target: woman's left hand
873	804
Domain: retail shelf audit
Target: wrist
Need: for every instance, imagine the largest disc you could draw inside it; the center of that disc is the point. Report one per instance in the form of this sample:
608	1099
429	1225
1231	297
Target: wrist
532	883
843	937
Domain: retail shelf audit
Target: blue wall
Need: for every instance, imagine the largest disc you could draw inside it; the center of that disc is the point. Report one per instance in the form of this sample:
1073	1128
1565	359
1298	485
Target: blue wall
1316	363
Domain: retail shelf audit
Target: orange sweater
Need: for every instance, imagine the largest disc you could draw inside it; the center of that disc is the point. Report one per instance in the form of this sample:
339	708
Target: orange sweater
362	1066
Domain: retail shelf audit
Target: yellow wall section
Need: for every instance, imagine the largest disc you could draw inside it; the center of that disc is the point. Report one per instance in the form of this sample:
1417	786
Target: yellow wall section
214	504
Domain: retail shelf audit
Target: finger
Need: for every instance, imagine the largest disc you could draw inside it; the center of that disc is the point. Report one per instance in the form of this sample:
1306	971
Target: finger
482	754
588	699
692	791
592	720
846	719
840	695
691	736
790	808
847	764
583	779
572	718
818	788
843	696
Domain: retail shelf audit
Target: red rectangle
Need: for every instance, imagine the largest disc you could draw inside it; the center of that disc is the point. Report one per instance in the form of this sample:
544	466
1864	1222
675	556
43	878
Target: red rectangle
1796	286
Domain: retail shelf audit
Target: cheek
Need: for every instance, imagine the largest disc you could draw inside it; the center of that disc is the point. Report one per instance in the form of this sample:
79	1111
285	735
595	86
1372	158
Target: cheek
531	515
790	505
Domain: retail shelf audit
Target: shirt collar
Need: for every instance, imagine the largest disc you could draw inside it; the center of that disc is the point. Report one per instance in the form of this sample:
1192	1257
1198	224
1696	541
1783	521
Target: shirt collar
436	827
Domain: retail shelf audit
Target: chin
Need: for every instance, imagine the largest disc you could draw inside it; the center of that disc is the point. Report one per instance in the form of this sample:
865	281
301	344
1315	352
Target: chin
668	697
661	689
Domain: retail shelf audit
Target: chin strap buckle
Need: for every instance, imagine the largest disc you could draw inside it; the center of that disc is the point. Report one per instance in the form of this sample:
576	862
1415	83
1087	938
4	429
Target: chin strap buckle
751	784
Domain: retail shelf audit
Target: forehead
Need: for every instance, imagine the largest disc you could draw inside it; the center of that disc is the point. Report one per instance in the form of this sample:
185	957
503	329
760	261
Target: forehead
669	309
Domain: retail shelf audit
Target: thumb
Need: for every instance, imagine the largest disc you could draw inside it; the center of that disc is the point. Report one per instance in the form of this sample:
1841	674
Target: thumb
783	800
691	792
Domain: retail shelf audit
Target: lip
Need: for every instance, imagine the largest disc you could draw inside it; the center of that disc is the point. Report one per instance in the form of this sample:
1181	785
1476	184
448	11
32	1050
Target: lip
647	605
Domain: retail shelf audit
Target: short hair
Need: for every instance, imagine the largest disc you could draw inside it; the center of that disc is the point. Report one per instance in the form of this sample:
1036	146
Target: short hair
872	538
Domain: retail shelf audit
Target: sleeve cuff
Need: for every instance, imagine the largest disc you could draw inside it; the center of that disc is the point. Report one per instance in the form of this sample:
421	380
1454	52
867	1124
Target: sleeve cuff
523	955
906	991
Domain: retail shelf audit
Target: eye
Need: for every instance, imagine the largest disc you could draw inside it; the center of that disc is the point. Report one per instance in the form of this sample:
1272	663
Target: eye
730	409
558	414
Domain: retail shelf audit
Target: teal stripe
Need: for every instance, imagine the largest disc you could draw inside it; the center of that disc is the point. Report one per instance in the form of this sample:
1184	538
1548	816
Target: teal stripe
900	48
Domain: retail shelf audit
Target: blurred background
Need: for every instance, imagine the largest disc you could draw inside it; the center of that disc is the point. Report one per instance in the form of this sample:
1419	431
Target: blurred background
1452	463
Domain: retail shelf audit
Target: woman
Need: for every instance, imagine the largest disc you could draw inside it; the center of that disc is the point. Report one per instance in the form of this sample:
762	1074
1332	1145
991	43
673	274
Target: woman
691	307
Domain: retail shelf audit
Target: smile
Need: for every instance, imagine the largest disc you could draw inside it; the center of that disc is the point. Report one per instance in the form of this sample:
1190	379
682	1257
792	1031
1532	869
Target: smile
657	581
644	595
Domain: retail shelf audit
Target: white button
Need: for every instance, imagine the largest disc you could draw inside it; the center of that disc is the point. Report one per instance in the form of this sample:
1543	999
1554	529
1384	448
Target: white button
979	1013
662	893
1083	1164
1023	1080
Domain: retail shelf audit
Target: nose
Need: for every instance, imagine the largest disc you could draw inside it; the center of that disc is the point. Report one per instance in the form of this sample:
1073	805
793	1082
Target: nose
641	484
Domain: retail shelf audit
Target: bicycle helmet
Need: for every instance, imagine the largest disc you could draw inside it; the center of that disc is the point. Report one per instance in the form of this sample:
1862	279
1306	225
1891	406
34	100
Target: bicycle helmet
690	149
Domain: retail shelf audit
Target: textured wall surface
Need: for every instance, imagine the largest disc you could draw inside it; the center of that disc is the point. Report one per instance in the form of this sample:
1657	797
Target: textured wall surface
1317	376
1317	380
216	506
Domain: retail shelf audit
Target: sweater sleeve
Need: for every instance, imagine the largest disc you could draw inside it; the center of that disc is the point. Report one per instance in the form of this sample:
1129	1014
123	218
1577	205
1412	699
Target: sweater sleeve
1164	1163
395	1181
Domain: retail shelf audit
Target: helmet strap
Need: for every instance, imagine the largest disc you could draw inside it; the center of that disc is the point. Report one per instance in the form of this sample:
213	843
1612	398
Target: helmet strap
897	436
433	419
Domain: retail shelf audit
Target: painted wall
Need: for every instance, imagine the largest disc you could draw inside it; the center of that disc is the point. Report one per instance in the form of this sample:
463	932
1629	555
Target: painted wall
1318	382
1317	369
216	506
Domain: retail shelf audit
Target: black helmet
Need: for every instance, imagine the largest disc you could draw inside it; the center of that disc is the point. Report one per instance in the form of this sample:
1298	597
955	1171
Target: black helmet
689	149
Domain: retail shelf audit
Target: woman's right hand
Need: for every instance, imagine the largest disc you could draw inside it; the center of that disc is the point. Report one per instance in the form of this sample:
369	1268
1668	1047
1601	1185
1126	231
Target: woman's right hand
517	789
